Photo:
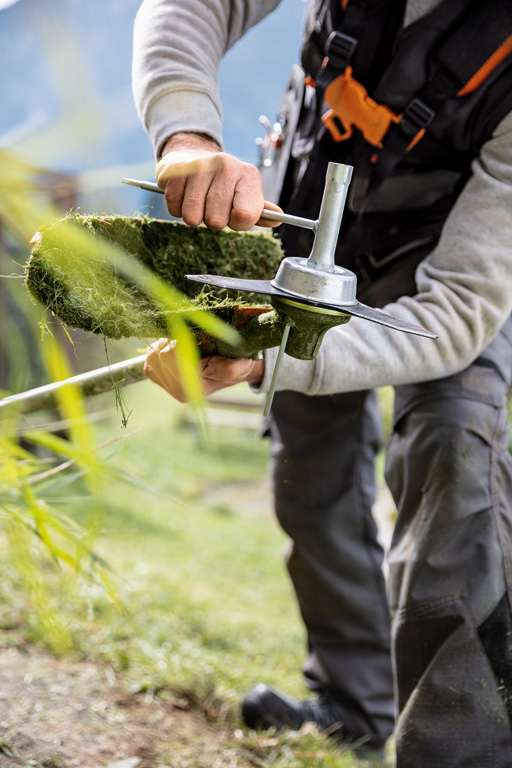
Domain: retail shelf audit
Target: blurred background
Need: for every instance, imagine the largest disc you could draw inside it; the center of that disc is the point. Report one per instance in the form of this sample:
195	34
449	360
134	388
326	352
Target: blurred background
67	108
67	103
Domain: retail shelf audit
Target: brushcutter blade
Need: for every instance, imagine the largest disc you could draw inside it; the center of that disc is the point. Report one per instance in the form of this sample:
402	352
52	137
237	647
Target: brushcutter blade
356	309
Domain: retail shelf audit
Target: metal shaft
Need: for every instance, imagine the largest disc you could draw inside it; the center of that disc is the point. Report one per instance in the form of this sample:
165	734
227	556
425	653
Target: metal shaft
89	383
285	218
331	212
275	373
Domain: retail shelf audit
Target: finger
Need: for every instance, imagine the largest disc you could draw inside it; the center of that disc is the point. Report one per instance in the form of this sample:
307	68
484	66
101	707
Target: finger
159	345
216	368
194	197
263	222
186	176
161	368
172	181
247	200
234	196
174	192
219	198
219	372
152	361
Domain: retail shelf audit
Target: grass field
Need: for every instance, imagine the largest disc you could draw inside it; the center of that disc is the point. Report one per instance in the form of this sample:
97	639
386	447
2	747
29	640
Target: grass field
206	609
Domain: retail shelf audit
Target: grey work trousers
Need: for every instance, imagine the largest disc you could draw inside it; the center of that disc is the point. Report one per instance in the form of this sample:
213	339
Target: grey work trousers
450	562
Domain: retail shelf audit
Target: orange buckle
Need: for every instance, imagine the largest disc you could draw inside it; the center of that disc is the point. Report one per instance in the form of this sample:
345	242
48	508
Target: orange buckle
352	107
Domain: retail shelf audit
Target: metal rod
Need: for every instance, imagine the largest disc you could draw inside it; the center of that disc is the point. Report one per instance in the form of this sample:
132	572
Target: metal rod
275	374
89	383
151	186
331	212
285	218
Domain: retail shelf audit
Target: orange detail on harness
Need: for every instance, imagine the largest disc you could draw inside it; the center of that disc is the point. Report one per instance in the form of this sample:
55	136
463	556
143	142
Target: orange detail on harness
352	107
499	55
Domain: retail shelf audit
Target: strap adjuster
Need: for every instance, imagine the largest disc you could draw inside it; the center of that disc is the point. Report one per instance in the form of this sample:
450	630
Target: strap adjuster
416	117
340	48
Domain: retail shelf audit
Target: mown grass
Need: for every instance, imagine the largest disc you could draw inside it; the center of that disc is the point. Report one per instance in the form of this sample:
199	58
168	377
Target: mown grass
206	609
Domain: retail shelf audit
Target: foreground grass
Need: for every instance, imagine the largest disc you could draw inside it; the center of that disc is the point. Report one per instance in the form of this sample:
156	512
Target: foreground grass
206	609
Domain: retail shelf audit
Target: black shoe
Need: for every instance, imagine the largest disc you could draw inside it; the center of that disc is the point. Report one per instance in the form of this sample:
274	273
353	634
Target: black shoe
265	707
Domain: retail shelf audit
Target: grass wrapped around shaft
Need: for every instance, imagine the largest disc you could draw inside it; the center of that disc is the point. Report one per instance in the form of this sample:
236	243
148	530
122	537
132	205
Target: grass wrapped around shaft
91	294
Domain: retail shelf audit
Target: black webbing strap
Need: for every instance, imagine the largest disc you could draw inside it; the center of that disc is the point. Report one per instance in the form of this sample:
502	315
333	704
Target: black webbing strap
462	53
341	44
469	47
416	117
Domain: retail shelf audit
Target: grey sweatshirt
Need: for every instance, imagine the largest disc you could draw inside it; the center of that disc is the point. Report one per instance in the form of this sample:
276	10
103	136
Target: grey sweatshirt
464	288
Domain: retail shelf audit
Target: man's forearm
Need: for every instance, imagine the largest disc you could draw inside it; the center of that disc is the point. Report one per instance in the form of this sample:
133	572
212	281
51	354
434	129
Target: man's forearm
178	45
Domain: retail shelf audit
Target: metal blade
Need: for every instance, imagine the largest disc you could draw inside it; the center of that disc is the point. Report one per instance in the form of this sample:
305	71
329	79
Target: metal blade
357	309
236	284
382	318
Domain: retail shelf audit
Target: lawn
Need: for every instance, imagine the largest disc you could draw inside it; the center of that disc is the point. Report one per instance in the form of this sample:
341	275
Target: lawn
205	607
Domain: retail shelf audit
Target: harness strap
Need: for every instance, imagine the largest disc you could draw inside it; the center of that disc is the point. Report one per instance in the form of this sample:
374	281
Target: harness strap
449	53
463	62
342	42
353	107
499	55
485	34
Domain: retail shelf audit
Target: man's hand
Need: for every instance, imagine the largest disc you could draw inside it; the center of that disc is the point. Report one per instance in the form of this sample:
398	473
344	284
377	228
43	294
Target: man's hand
216	372
204	184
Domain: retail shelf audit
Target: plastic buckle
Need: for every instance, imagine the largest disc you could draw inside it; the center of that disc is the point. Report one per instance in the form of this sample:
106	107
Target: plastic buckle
416	117
339	49
352	107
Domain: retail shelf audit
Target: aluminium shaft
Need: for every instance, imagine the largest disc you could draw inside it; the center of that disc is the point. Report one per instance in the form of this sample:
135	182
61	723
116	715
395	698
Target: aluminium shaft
89	383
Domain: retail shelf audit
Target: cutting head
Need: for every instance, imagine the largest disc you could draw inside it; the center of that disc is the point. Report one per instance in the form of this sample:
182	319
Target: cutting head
318	281
303	288
354	308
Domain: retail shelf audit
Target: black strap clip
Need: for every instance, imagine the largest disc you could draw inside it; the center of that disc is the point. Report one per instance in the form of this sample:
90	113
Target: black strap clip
340	48
416	117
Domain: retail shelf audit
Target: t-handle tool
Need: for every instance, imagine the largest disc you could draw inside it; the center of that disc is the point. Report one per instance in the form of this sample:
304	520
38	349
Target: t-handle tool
285	218
318	277
314	294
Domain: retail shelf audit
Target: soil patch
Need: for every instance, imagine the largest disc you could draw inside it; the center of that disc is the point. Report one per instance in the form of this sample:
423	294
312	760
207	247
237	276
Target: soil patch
56	713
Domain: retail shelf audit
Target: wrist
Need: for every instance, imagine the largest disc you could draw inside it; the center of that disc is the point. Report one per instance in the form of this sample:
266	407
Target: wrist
190	140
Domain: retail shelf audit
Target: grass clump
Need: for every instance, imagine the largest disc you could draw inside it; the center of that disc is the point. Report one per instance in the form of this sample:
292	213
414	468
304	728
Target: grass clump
92	294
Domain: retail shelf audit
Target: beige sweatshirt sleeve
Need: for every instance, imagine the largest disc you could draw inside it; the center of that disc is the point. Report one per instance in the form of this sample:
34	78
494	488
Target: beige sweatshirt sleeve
464	294
178	45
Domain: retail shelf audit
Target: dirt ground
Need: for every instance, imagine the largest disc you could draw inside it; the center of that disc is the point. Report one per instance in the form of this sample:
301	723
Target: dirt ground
62	714
57	713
